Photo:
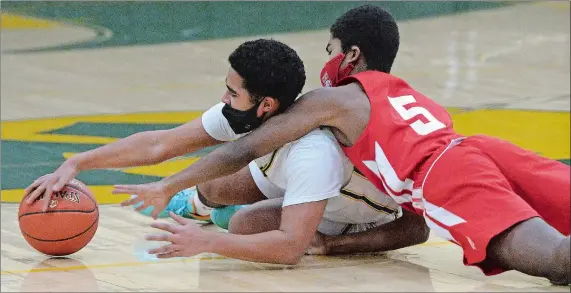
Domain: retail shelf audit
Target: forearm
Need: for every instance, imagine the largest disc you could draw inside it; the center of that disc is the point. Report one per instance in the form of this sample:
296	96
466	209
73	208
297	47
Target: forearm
268	247
408	230
218	163
136	150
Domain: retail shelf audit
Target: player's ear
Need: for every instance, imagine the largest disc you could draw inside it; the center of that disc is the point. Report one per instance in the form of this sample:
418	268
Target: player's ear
353	54
269	105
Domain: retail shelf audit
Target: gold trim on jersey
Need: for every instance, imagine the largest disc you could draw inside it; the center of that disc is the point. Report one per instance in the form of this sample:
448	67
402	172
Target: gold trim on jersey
356	171
267	166
371	203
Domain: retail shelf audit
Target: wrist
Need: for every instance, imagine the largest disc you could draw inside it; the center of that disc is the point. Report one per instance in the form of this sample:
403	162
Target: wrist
168	186
76	162
210	239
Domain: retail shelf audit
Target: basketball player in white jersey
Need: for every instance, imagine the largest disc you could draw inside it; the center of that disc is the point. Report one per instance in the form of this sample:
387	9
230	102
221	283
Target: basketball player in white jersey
332	199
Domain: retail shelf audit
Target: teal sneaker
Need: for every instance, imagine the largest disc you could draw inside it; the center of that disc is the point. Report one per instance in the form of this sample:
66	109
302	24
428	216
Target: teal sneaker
221	216
179	205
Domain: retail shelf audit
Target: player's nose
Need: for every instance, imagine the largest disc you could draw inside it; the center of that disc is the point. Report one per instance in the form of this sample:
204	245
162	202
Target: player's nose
225	98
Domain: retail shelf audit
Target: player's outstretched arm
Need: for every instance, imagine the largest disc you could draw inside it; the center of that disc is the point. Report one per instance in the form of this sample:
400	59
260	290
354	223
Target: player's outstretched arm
143	148
313	109
285	245
410	229
147	148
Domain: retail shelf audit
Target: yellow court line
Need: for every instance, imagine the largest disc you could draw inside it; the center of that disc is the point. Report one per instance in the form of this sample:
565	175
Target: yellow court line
110	265
435	243
143	263
12	21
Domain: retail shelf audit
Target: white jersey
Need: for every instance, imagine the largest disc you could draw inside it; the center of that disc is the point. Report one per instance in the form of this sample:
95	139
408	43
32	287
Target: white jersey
314	168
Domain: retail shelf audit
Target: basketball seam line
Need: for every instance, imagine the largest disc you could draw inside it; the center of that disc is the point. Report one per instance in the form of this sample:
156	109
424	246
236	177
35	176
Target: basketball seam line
57	240
58	211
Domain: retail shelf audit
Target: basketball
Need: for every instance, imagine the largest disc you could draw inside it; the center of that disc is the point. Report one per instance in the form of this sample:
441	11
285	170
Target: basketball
67	226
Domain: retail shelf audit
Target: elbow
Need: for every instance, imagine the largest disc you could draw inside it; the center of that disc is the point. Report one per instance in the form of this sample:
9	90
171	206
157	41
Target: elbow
292	257
291	252
155	149
423	234
419	231
291	262
157	154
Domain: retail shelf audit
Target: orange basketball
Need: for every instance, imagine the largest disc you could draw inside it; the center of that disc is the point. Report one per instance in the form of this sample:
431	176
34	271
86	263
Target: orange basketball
67	226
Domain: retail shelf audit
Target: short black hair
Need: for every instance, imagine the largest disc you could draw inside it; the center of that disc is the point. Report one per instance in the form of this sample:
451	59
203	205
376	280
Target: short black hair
374	31
269	69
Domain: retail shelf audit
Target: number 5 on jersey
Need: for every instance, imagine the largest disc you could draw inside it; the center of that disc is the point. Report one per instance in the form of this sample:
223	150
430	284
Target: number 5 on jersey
418	126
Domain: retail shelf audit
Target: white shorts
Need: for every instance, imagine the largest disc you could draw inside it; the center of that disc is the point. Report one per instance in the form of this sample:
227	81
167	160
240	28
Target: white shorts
331	228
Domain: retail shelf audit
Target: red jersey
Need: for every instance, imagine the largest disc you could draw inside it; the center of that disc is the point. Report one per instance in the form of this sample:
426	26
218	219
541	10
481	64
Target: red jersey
405	128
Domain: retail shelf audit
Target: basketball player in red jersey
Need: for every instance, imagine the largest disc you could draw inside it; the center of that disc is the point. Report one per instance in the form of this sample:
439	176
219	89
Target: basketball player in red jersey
508	208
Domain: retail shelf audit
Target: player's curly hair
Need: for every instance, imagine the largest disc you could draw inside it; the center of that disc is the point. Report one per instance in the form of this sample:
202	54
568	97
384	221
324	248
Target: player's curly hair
374	31
269	69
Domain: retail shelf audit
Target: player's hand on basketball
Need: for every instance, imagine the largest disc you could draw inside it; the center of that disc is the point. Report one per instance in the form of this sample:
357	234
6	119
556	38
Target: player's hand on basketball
149	194
50	183
318	245
185	236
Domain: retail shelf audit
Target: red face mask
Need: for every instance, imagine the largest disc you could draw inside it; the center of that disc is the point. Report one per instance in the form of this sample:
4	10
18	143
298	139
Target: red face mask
331	74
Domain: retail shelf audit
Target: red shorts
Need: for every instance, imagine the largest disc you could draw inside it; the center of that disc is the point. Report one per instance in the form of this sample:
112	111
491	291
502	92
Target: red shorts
483	186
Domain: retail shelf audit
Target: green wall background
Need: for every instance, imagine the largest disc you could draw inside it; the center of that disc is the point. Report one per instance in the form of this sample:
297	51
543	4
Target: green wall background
139	23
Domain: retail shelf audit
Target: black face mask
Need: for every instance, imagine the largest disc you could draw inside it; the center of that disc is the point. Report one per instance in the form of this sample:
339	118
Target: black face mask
242	121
